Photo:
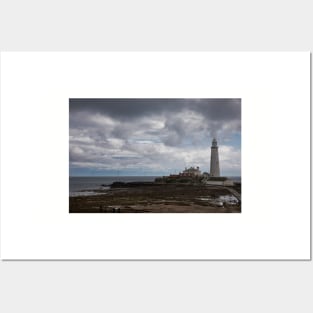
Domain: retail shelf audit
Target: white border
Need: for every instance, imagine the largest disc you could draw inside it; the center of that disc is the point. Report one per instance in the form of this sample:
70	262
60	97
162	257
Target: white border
275	92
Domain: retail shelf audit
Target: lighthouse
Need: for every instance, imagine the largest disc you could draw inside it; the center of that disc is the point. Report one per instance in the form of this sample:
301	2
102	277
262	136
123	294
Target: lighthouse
215	165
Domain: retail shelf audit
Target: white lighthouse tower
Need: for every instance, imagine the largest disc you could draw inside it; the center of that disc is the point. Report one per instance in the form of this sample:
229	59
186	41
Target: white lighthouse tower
215	165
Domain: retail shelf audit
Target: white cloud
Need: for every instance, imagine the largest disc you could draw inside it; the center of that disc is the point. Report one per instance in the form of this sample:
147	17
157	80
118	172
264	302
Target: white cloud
166	141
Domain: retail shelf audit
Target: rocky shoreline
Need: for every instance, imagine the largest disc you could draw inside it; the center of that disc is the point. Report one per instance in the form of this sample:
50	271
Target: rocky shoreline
151	197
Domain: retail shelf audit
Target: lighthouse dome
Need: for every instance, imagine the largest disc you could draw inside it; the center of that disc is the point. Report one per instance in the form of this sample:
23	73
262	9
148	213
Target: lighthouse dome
214	142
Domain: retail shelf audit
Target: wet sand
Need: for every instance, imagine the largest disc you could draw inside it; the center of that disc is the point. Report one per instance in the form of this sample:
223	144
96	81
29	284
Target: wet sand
166	198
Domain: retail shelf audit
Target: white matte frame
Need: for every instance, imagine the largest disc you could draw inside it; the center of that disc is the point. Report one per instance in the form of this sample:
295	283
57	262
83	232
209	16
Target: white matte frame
275	92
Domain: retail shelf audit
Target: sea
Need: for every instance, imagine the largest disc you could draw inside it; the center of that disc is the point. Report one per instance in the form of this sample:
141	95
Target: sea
87	186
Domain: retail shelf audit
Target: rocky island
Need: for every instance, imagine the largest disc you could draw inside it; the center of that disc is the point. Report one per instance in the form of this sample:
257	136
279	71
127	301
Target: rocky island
188	195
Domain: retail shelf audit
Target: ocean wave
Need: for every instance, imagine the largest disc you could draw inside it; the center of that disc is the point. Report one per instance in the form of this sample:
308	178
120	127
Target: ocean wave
85	193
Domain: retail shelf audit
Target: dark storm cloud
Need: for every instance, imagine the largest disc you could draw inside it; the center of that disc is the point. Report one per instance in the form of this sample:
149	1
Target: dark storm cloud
151	133
212	109
219	109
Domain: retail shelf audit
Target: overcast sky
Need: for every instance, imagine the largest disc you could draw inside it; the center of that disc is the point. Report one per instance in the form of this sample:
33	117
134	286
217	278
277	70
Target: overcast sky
123	137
